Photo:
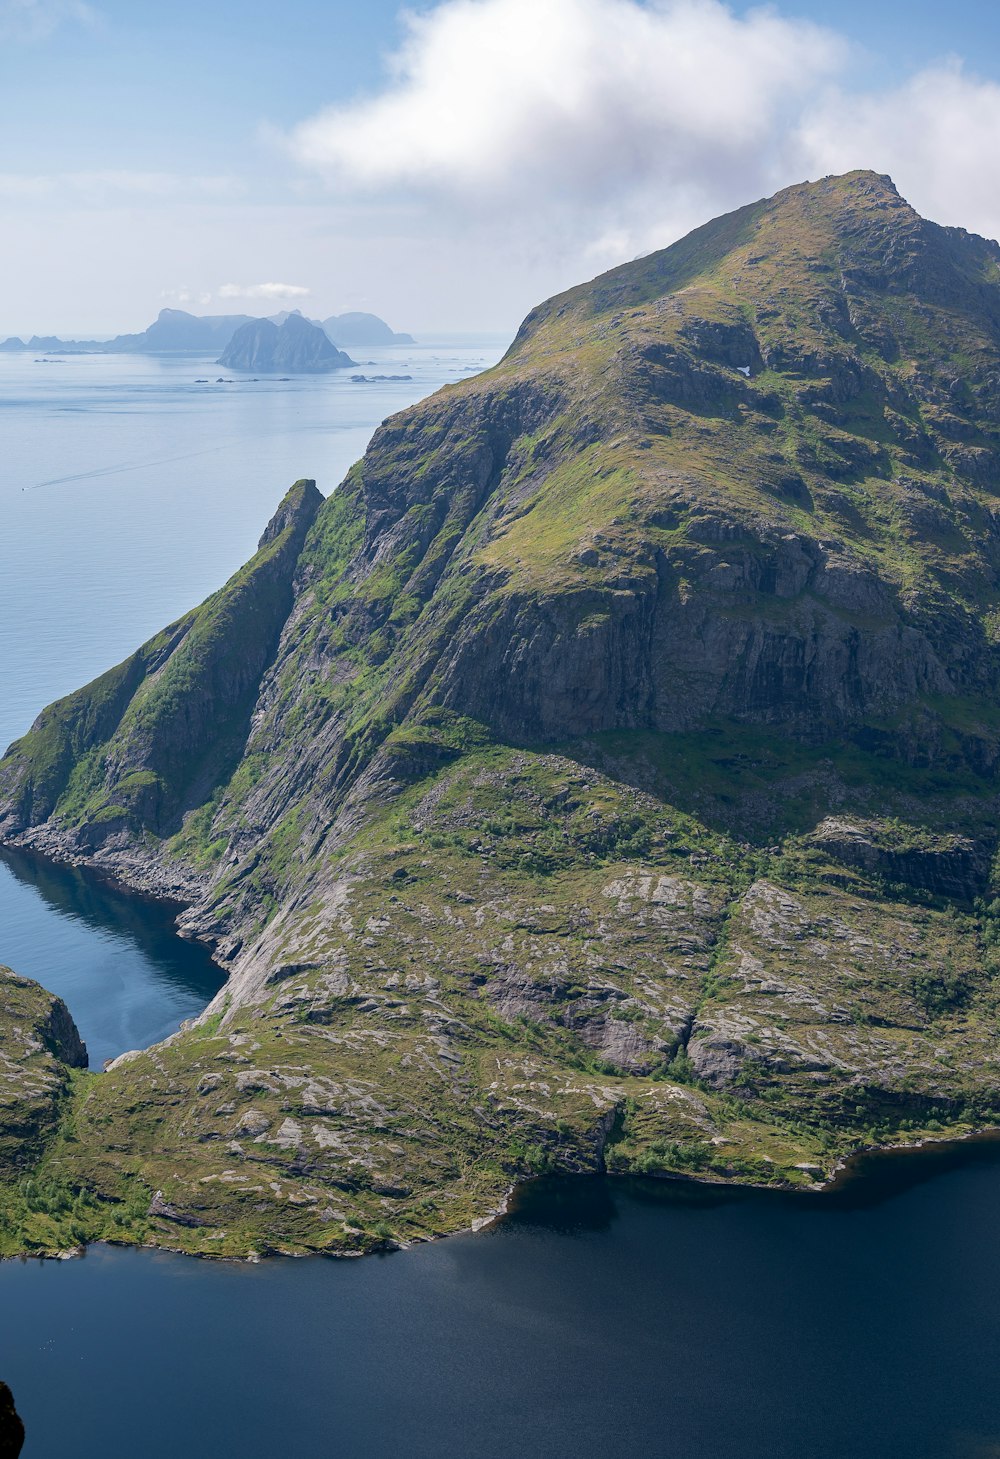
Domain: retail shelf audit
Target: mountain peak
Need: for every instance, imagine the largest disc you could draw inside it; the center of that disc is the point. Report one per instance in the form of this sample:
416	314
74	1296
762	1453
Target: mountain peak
627	716
814	244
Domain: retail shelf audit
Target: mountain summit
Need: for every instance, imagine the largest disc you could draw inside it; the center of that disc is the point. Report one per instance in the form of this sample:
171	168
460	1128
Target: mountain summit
603	777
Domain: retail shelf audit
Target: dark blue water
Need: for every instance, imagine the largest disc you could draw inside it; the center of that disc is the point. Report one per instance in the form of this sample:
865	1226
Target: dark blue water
601	1321
116	960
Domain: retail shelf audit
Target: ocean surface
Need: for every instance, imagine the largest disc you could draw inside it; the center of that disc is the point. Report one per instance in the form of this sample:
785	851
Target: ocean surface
129	491
602	1319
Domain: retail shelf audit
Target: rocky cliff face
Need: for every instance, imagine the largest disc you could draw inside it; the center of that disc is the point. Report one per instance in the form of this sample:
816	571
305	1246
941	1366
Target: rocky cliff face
603	776
39	1043
296	345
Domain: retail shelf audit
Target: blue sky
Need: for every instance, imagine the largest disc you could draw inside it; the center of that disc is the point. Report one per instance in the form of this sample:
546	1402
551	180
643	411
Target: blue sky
177	153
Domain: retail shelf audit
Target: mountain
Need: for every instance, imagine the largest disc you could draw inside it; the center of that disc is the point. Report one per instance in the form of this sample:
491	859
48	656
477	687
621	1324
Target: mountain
296	345
603	777
362	329
174	331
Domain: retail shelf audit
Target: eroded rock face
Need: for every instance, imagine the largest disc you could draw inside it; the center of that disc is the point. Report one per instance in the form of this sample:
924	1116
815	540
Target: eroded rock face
949	865
603	777
39	1044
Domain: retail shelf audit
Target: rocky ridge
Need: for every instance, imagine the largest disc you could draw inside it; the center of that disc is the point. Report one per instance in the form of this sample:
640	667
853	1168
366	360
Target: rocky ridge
604	776
295	345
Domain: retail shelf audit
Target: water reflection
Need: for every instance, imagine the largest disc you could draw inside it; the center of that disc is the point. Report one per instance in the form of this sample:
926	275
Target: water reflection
578	1205
114	958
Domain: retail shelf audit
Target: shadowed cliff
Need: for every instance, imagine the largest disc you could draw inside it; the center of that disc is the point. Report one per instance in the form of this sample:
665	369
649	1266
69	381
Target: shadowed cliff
603	776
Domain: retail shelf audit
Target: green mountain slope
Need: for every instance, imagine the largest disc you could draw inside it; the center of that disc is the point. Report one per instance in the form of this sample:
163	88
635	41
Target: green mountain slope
603	776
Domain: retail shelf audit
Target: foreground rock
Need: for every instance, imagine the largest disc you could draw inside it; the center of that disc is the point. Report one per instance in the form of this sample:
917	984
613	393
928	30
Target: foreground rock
11	1427
604	777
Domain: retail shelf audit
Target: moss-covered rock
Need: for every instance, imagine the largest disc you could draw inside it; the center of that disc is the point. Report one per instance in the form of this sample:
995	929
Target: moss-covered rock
604	775
39	1046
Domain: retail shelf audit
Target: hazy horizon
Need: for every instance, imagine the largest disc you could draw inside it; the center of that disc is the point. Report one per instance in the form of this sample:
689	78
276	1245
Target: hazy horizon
448	166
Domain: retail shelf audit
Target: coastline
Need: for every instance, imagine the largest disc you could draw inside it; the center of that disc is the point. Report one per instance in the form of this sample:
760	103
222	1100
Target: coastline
847	1174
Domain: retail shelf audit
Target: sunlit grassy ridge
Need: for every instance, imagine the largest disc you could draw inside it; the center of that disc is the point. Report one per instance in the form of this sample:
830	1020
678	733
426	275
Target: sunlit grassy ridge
604	776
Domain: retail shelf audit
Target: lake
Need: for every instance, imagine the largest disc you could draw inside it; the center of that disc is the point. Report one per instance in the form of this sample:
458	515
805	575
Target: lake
602	1318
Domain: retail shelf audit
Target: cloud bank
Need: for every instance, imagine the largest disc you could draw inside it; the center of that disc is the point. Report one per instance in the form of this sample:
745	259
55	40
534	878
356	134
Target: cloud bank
572	101
618	124
270	292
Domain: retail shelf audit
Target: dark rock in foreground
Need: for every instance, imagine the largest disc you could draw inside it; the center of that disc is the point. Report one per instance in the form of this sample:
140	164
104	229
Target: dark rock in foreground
11	1427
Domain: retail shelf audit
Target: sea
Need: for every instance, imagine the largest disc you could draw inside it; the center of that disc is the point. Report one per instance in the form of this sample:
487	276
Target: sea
602	1318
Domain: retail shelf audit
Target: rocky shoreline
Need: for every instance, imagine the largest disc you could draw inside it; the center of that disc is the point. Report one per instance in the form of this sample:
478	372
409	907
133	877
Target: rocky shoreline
604	777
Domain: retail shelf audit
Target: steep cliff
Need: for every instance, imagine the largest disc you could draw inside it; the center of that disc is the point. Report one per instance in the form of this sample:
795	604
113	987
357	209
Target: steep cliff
603	776
39	1044
294	345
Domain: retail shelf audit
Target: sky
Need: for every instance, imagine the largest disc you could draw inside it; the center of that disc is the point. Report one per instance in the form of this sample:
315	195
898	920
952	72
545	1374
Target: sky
450	164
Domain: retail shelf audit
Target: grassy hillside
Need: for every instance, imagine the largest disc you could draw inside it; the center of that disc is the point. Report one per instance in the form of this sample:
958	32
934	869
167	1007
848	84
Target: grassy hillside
604	776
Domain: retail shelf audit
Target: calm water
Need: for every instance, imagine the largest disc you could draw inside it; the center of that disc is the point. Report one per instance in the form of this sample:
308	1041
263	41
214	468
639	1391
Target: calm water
602	1319
128	979
128	492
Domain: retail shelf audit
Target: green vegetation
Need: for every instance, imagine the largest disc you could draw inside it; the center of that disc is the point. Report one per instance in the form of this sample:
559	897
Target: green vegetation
603	777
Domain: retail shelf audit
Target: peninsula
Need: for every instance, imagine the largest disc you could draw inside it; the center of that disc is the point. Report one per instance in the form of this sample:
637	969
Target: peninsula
603	777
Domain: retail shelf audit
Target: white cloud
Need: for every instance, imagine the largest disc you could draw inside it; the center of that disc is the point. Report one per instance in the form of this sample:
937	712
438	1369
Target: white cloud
586	131
34	20
515	148
183	295
938	135
572	100
263	291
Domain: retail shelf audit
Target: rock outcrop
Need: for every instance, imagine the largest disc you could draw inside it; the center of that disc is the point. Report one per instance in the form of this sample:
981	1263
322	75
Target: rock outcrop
39	1044
11	1427
296	346
603	777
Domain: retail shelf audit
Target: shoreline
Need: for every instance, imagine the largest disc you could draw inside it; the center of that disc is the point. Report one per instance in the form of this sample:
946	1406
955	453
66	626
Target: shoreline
848	1174
845	1179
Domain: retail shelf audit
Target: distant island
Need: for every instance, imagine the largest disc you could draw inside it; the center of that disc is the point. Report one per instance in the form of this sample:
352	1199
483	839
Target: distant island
295	345
174	331
362	329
